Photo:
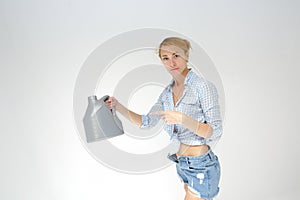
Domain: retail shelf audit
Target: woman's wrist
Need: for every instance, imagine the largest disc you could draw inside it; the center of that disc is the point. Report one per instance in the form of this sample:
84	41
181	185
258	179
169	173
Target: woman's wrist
117	106
184	119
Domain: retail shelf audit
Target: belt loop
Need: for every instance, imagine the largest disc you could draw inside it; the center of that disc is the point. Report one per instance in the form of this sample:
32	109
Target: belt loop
211	155
187	160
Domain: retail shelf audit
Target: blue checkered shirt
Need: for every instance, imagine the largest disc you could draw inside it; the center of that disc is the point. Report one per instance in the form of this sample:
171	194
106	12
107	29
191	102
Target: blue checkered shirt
198	101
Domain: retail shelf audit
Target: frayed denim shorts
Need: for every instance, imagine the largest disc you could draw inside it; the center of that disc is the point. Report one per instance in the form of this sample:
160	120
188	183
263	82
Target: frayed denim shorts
201	173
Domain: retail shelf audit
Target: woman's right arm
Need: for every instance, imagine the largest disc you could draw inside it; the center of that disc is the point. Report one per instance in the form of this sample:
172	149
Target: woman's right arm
128	114
143	121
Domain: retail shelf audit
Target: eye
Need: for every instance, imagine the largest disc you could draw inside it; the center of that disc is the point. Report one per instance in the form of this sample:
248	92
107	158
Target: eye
165	59
176	56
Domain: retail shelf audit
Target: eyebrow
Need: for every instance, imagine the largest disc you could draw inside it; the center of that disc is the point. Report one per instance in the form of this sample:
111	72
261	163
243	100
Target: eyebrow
172	54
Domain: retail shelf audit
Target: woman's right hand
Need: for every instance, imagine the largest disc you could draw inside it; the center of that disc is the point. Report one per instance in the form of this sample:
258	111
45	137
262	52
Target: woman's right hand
111	102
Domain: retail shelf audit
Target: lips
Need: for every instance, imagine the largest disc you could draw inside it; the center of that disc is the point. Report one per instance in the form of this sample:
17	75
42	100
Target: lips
172	69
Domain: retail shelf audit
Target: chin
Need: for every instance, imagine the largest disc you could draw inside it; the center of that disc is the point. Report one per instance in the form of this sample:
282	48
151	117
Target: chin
176	73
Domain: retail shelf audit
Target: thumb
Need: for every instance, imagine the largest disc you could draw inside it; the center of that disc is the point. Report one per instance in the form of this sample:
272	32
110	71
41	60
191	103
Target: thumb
156	113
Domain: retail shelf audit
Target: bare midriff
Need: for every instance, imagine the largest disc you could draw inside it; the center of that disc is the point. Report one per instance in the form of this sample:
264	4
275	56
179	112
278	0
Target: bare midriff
192	150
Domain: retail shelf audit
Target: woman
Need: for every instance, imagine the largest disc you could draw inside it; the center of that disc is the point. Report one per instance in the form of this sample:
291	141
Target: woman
189	106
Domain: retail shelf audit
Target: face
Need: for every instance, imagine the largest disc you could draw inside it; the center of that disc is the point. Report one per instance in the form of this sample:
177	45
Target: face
174	59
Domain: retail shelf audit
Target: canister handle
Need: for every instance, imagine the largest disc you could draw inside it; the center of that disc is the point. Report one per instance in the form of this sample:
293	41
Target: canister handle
103	99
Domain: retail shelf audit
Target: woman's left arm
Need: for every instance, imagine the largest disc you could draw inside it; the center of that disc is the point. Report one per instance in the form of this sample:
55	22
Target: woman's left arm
212	126
175	117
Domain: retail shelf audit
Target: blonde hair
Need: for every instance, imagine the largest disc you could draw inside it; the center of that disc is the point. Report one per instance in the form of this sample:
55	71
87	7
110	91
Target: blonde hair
184	44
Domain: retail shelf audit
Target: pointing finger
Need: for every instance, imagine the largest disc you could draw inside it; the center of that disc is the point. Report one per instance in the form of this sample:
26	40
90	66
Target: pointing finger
157	113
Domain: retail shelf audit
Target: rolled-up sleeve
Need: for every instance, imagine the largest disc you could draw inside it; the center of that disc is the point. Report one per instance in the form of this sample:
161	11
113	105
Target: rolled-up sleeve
211	109
149	120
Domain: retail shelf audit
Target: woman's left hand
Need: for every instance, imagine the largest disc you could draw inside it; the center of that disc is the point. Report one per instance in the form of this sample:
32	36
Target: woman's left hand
170	116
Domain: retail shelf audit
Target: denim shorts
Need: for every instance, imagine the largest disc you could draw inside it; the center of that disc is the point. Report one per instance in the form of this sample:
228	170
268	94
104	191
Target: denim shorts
201	173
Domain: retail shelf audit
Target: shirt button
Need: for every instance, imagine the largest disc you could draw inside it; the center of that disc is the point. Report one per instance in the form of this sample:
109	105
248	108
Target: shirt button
175	130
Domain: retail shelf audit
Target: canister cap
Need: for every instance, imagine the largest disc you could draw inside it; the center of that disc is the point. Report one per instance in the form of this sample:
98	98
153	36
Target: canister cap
94	97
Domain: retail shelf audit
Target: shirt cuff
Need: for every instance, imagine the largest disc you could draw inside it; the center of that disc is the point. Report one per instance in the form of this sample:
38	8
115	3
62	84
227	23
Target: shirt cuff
145	121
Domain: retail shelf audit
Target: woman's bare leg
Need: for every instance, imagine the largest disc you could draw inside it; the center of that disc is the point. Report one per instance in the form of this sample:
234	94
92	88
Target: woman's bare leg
191	195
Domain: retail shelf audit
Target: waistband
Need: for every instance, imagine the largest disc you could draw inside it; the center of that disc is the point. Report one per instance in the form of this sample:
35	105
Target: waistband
208	155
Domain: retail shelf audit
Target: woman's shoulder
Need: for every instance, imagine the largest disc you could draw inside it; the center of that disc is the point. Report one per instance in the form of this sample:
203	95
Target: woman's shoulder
199	82
196	80
164	94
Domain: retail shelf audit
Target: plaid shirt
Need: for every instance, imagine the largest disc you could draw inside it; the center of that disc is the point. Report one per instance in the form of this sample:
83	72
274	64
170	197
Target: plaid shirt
198	101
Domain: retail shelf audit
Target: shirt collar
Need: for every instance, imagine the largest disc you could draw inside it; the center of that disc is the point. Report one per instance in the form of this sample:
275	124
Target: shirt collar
186	80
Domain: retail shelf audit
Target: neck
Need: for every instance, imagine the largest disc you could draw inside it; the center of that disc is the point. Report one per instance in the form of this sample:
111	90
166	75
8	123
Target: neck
179	79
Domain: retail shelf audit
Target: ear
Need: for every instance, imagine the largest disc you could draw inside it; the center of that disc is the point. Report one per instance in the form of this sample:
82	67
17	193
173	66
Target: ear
187	56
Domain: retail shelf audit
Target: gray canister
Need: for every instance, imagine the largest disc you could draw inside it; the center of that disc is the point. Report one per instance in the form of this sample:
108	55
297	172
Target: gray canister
99	121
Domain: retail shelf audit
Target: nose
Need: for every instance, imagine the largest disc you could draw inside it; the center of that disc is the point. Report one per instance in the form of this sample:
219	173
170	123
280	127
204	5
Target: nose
172	61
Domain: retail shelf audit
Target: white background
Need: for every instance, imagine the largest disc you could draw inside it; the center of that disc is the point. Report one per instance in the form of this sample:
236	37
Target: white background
43	45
